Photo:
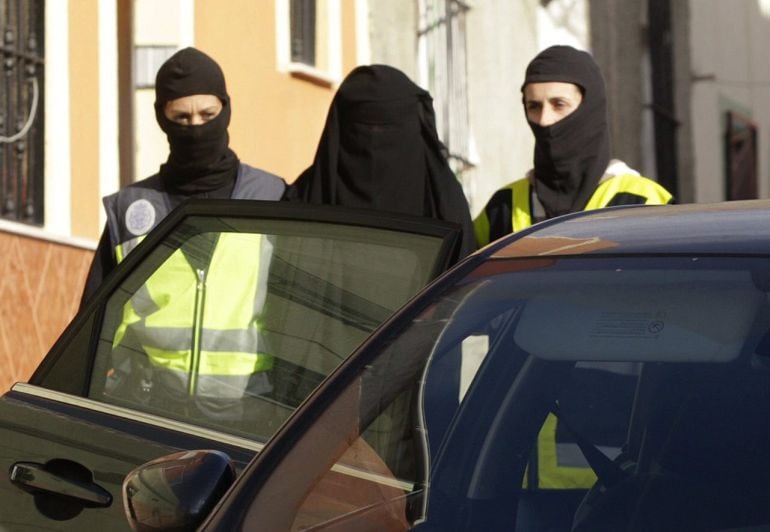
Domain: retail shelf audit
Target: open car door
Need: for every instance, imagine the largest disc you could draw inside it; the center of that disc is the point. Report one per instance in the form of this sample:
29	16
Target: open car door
142	372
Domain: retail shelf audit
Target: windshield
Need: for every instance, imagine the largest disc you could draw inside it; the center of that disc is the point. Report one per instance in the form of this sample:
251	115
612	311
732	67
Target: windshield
561	393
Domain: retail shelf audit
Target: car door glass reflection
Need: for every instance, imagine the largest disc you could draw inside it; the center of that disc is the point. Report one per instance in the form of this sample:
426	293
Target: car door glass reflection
232	330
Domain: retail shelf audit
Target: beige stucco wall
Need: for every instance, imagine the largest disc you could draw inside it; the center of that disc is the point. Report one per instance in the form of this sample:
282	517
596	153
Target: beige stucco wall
84	117
277	118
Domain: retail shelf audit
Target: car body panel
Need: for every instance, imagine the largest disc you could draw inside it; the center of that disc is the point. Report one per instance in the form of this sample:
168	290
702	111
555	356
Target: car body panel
664	229
37	425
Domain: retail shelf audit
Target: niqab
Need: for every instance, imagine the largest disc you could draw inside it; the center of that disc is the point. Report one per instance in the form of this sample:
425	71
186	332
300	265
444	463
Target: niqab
380	150
571	155
200	160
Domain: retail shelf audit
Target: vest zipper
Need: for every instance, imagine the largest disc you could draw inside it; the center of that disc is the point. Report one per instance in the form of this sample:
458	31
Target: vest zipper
197	327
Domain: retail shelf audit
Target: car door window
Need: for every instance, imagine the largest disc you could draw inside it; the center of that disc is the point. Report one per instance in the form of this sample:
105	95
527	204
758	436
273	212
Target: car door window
188	342
234	329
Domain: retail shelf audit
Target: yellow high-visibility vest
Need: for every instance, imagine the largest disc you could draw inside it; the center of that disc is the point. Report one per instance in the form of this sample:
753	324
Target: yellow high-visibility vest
202	321
518	193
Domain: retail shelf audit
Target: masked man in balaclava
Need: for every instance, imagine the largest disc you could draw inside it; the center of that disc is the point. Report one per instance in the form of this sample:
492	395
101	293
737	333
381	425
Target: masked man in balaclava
566	108
192	108
565	105
189	342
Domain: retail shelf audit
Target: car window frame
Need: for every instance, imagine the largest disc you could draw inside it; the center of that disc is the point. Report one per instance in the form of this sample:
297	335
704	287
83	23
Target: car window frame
93	310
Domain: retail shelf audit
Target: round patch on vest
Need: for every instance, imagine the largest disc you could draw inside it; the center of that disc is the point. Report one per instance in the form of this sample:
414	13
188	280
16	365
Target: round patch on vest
140	217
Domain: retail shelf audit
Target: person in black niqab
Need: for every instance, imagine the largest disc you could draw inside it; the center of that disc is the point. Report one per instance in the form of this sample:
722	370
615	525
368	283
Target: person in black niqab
380	150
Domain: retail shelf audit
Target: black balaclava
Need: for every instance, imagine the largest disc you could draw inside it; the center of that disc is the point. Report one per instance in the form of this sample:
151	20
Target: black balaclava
571	155
380	150
199	160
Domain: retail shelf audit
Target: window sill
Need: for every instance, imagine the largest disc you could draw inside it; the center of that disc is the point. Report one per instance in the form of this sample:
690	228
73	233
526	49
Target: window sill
40	233
312	74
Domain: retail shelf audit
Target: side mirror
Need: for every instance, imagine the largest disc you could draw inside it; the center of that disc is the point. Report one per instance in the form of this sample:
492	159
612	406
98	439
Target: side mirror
176	492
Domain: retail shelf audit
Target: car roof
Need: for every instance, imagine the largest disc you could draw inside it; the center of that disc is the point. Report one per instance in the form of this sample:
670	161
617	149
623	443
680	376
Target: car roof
733	227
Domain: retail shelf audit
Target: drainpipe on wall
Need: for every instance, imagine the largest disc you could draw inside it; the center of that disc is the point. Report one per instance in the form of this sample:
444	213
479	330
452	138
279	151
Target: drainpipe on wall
666	124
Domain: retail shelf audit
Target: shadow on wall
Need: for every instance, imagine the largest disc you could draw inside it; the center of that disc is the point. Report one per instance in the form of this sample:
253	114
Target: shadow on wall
40	287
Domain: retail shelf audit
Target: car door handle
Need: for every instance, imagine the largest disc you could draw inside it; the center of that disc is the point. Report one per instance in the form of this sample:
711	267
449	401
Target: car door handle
37	478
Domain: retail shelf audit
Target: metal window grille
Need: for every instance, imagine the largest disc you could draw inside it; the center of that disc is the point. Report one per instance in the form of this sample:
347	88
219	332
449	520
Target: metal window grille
21	111
442	42
741	157
303	18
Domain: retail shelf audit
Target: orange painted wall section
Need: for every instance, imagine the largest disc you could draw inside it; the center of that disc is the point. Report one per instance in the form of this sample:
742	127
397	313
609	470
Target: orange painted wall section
39	294
276	118
349	43
84	117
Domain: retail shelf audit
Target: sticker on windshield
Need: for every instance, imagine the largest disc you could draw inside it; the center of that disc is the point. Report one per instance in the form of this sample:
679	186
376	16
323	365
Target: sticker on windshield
140	217
628	325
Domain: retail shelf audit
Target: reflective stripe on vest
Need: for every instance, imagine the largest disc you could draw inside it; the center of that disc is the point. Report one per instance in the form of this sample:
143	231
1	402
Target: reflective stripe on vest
203	322
522	212
553	471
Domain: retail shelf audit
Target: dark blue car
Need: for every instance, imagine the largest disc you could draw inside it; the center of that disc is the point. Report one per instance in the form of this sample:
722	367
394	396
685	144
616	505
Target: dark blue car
601	371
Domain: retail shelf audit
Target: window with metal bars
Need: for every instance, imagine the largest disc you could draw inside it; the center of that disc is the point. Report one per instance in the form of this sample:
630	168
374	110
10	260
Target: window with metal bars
442	46
21	110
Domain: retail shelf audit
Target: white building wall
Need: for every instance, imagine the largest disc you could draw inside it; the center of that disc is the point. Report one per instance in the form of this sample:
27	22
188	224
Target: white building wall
502	39
563	22
58	172
392	28
364	50
730	72
109	178
759	65
167	23
58	163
